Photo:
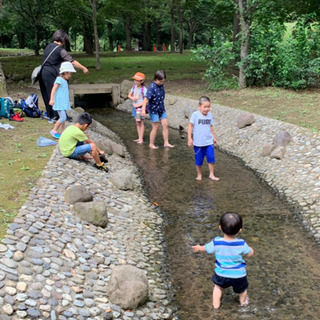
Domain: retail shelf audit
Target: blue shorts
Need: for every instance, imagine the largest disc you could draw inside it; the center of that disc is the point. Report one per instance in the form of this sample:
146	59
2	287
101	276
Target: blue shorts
154	117
134	113
238	285
201	152
80	150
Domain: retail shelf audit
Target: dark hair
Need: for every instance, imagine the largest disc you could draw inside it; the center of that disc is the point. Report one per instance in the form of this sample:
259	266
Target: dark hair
84	118
203	99
230	223
160	75
60	36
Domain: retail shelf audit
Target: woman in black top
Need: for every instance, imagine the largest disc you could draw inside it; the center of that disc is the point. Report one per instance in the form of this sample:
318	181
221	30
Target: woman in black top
50	70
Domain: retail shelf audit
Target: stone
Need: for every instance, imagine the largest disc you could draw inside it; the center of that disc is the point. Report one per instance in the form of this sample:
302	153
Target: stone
282	138
105	145
78	194
267	149
123	179
278	153
245	119
128	287
125	87
118	149
93	212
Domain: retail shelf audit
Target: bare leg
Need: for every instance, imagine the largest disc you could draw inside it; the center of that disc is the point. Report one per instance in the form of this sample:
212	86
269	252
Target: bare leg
216	296
140	129
244	299
153	134
165	133
199	173
62	127
56	126
211	170
95	154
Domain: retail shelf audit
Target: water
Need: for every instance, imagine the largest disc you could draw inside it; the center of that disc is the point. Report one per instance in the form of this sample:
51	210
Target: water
283	274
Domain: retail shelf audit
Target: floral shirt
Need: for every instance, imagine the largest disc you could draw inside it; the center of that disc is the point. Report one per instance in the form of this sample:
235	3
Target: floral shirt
155	96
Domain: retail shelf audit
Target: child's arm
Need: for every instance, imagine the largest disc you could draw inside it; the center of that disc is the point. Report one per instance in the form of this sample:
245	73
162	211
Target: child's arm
190	130
130	95
137	105
214	137
144	105
53	92
198	248
250	254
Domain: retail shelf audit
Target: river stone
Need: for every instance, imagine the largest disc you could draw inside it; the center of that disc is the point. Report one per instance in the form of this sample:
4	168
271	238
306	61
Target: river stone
246	119
125	87
78	194
278	153
118	149
128	287
123	179
93	212
79	110
267	149
105	145
282	138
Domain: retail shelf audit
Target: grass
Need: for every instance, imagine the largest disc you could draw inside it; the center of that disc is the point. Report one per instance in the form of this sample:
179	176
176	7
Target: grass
21	161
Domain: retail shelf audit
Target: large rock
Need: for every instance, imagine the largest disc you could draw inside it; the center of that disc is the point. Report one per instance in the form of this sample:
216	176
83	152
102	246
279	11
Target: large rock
246	119
267	149
128	287
105	145
123	179
118	149
93	212
278	153
125	87
78	194
282	139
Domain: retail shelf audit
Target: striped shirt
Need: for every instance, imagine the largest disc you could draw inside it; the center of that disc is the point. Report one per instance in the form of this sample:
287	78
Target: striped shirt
229	256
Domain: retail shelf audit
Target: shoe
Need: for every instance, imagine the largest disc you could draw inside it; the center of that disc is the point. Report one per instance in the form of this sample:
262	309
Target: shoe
45	116
51	121
103	158
16	118
103	167
55	134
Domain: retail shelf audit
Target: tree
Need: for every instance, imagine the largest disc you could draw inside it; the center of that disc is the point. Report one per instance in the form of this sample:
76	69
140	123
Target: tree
95	28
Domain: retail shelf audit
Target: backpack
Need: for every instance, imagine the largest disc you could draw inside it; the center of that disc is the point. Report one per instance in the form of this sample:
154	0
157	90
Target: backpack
5	105
30	106
142	93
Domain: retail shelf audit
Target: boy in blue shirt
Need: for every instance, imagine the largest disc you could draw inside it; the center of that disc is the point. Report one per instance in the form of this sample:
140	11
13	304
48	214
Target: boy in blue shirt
201	128
230	267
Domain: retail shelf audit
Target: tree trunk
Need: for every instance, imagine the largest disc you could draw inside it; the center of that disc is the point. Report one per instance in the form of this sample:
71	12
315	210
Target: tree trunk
172	27
36	39
245	44
236	24
181	36
21	40
128	29
158	36
110	27
147	46
95	31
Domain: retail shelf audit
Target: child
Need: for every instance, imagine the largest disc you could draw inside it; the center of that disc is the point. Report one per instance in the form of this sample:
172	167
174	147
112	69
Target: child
230	267
201	125
59	97
74	143
155	100
136	94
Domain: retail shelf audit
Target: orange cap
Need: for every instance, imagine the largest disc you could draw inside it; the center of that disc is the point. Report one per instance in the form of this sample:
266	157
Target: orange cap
139	76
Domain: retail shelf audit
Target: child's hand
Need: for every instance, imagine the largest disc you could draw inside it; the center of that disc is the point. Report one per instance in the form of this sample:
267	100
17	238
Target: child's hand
215	141
51	102
197	248
136	97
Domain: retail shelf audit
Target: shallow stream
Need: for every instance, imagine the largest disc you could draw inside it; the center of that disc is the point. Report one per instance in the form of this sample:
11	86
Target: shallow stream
283	274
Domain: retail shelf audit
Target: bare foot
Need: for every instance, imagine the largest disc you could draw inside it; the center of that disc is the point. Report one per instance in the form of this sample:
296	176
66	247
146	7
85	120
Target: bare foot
168	145
140	141
136	140
198	178
214	178
152	146
245	303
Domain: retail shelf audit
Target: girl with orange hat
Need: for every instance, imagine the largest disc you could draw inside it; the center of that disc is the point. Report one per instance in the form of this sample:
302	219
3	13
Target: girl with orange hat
137	94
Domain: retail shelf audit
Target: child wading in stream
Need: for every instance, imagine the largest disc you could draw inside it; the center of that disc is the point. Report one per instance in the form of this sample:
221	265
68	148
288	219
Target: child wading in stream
136	94
230	267
201	128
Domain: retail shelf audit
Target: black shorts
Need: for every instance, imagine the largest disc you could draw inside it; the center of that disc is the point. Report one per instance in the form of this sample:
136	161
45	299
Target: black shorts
239	285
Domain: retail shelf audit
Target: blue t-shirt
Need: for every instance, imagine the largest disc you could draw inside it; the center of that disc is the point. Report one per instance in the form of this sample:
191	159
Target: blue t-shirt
61	97
202	135
155	95
228	253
